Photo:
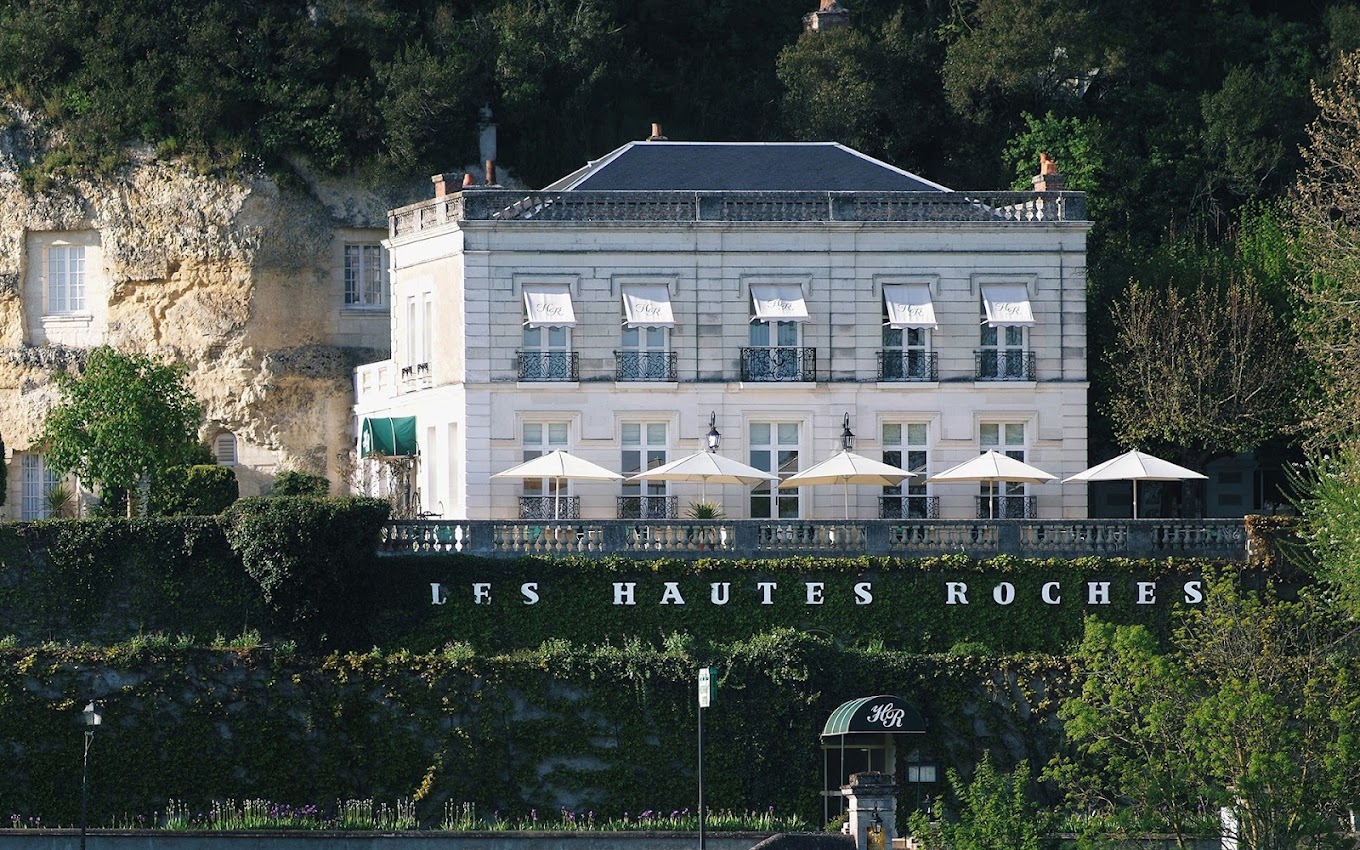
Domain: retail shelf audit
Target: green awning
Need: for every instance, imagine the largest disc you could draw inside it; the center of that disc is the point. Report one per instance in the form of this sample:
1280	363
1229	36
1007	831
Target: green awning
883	713
390	437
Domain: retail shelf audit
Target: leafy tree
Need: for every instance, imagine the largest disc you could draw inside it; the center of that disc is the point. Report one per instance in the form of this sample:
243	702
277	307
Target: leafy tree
1252	708
993	811
120	420
1199	371
1326	206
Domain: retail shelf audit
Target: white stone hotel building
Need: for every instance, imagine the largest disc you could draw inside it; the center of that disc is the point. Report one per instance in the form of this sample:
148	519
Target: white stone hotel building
768	290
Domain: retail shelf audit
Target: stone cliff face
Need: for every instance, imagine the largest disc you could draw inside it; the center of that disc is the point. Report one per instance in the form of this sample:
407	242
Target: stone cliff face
238	277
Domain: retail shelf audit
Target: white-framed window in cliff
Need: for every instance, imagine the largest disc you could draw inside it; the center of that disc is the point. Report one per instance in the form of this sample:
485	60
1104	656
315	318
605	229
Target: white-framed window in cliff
36	480
364	272
224	449
65	279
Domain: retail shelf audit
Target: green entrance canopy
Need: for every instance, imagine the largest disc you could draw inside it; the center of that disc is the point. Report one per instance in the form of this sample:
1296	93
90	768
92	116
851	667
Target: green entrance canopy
390	437
883	713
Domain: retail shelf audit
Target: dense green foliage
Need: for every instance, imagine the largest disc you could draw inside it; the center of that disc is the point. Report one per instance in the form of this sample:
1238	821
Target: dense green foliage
991	810
105	580
609	727
198	490
1253	709
291	482
313	560
123	418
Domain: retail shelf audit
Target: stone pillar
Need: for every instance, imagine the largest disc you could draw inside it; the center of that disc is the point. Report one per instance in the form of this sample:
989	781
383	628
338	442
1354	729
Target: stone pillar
869	792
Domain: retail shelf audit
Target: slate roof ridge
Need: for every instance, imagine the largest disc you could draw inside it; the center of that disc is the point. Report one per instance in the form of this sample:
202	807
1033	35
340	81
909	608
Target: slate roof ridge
594	168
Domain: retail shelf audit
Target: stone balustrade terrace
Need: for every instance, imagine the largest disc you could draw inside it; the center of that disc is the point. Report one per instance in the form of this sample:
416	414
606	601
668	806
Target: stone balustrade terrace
1045	538
502	205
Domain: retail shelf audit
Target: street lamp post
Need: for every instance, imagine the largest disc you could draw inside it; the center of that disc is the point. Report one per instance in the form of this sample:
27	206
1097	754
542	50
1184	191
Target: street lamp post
92	718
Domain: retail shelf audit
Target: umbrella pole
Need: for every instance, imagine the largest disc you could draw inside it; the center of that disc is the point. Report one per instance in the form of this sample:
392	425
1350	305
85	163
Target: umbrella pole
991	502
1135	498
846	484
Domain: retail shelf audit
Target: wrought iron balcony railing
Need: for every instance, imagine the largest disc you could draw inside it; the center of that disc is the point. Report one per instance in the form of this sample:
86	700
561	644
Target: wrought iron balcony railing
895	364
549	507
644	365
779	364
908	507
648	507
548	365
1001	365
1007	507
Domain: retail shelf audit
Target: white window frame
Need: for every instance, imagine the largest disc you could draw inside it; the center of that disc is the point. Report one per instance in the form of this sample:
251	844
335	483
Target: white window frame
780	453
35	482
66	280
365	274
552	434
1007	344
644	445
1012	440
906	444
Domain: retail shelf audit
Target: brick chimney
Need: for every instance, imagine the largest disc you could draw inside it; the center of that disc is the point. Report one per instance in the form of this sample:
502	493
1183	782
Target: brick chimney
1048	179
445	184
829	15
656	134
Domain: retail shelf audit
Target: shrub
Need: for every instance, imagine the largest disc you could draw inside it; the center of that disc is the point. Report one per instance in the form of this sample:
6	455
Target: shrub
202	490
294	483
312	558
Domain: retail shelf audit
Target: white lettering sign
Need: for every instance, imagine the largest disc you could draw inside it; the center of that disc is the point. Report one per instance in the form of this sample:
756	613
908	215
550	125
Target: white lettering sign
887	714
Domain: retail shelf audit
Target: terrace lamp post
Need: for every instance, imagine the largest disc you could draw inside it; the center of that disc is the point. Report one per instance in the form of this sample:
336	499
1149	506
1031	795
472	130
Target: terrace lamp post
91	718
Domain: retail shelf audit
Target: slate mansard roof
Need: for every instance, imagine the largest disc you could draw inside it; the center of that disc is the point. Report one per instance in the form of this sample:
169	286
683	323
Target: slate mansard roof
742	166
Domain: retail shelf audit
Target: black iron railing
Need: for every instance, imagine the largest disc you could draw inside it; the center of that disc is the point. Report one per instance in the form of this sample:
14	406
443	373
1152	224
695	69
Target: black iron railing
995	365
648	507
779	364
1007	507
908	507
548	365
895	364
644	365
549	507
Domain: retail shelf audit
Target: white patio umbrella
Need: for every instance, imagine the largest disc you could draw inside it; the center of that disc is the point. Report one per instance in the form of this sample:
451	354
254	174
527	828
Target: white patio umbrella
1136	466
992	466
560	466
704	467
846	468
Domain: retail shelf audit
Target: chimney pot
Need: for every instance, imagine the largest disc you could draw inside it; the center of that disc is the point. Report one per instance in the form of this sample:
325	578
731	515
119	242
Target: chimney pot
656	134
467	180
1049	179
491	172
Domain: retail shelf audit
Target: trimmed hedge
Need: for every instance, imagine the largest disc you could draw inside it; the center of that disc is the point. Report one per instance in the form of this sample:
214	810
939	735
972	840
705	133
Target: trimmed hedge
293	568
313	560
200	490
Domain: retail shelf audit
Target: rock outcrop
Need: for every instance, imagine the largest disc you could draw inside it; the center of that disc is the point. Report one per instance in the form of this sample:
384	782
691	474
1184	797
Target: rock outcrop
240	277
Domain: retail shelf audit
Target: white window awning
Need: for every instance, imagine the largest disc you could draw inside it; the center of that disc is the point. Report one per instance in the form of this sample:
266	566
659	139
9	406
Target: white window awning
648	306
779	302
1007	304
909	305
548	305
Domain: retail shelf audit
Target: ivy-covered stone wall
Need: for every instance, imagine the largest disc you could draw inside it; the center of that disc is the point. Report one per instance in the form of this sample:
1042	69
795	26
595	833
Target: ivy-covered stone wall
608	727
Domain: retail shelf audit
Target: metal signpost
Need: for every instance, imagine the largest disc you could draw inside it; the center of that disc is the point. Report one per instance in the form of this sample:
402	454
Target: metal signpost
708	687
